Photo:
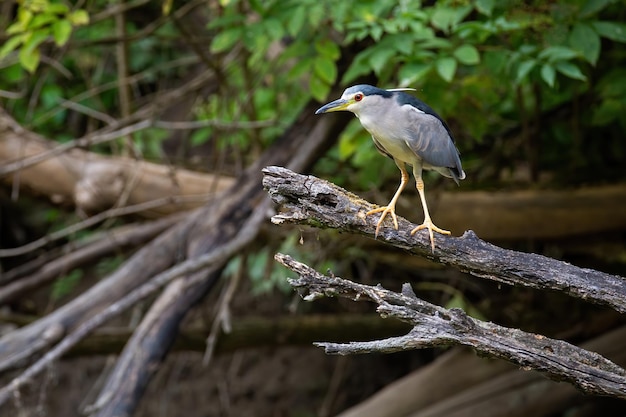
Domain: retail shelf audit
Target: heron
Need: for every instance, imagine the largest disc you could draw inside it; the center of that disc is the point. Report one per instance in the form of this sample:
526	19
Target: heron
408	131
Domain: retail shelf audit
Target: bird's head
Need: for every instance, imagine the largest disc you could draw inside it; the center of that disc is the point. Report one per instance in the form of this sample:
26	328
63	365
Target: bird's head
359	98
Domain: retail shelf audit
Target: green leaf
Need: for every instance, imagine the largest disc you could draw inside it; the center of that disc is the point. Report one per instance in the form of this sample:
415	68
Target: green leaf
358	67
79	17
226	39
524	68
611	30
273	28
443	18
412	72
296	21
548	74
446	68
447	18
557	53
200	136
485	6
584	39
10	45
61	31
301	67
57	8
325	69
402	42
380	57
15	28
594	6
570	70
29	59
467	54
328	49
41	20
318	88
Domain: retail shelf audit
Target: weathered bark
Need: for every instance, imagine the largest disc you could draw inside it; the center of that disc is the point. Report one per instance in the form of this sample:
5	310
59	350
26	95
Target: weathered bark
461	384
215	225
93	182
74	257
310	200
437	326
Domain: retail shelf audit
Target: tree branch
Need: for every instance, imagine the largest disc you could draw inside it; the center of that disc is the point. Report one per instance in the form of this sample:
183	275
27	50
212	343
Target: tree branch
312	201
437	326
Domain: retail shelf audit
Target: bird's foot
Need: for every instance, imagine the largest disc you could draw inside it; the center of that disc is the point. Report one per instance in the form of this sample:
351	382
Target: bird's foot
428	224
385	210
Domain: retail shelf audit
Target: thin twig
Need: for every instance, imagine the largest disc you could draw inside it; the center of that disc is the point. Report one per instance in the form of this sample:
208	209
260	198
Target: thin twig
91	221
211	260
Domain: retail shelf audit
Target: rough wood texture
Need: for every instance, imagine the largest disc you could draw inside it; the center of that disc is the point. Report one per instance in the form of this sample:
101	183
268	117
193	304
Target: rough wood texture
94	182
312	201
437	326
461	384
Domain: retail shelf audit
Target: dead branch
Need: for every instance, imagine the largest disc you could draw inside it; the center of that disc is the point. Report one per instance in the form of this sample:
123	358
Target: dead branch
312	201
73	256
94	182
211	260
437	326
461	384
212	226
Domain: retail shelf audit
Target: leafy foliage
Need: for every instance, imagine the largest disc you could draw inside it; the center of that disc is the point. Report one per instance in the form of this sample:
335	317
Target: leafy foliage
522	84
36	22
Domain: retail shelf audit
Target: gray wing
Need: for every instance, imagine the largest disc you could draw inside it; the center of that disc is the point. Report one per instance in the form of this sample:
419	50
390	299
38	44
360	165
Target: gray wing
430	140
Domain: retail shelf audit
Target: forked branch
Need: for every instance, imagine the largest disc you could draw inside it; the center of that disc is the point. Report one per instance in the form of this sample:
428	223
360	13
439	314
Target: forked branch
438	326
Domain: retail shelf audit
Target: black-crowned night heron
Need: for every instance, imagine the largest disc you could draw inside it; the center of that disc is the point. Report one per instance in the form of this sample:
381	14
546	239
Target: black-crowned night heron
407	131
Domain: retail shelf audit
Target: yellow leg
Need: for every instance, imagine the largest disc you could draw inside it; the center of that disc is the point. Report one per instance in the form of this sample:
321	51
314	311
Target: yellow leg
391	207
428	223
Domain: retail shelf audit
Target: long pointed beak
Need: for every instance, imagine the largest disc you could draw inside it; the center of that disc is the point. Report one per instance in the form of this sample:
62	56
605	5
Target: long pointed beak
337	105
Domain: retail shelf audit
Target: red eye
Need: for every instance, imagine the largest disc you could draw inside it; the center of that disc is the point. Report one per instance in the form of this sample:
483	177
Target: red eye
358	97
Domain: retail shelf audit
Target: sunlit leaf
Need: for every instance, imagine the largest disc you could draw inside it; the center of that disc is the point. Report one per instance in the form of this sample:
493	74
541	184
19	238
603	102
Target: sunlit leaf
412	72
403	43
273	28
318	88
10	45
226	39
380	58
358	67
467	54
325	69
79	17
296	21
446	18
41	20
61	31
29	59
446	68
